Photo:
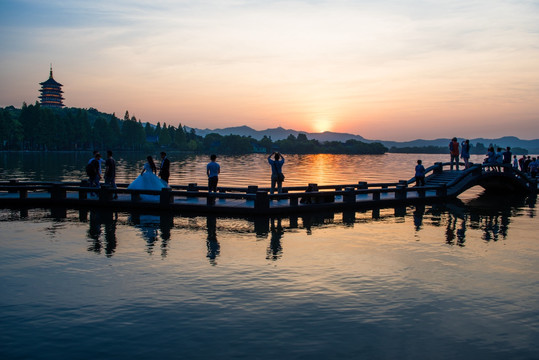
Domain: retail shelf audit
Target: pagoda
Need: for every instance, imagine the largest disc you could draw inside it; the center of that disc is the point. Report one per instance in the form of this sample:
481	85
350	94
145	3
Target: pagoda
51	93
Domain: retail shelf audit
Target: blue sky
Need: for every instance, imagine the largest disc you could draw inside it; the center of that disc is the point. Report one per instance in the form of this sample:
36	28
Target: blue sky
395	70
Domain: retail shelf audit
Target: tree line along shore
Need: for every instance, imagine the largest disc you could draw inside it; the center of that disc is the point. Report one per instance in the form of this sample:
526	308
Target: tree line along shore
36	128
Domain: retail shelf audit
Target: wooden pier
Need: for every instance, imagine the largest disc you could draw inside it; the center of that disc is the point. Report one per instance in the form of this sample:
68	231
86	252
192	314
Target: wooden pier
440	185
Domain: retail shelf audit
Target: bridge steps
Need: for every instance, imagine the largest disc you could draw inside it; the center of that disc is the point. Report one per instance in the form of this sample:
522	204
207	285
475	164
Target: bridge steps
444	178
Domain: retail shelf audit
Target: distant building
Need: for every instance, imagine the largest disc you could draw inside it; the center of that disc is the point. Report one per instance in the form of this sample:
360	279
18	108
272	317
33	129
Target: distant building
51	93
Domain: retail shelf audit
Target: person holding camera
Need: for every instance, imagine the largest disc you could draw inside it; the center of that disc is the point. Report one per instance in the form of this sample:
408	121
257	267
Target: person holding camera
277	176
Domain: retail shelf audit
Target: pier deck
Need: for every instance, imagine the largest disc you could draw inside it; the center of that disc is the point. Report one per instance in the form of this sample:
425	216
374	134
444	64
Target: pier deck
253	200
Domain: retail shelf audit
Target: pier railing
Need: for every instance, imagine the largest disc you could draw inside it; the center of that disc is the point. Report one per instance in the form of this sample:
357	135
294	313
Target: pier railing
250	199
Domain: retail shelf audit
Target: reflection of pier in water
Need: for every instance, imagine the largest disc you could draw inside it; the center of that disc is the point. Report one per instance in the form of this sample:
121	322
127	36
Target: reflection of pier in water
490	215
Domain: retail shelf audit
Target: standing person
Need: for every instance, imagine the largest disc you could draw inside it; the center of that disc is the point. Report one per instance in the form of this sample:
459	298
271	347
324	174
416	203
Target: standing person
507	158
515	162
507	155
164	169
93	170
277	176
100	161
534	166
521	163
419	174
213	169
465	155
110	172
454	151
527	163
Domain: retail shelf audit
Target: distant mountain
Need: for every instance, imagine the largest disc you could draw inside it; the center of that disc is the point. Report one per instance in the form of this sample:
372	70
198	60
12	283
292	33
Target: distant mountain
280	133
531	145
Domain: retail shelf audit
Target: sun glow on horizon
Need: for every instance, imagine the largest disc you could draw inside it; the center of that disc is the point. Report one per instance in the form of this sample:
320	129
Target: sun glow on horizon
322	125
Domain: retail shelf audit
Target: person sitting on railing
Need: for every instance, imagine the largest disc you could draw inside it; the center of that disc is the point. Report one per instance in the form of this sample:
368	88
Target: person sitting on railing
419	174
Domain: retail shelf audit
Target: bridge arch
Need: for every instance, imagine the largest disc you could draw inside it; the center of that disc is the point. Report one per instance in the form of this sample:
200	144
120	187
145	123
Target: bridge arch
506	181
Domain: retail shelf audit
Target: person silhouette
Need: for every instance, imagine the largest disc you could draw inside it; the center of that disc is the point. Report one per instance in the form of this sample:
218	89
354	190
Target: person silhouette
213	169
164	169
277	176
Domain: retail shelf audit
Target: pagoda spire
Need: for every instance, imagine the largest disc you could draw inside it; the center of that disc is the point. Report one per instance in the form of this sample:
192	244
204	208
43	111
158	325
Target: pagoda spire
51	92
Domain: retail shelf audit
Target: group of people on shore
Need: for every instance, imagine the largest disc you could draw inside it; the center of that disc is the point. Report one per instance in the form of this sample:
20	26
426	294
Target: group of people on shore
153	179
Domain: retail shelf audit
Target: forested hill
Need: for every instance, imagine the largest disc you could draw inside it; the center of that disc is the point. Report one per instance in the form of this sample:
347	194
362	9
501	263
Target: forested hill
42	129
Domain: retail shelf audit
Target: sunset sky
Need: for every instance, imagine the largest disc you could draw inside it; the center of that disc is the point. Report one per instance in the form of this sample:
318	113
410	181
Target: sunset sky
391	70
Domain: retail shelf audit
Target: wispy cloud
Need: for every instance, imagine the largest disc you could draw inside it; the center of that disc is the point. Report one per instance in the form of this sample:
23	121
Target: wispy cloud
430	57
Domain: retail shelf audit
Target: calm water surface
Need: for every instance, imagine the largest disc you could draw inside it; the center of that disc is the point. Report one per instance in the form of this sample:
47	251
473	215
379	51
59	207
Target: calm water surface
457	280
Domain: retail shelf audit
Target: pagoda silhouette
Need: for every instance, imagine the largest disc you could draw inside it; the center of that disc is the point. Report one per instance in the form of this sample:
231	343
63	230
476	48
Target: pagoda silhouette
51	93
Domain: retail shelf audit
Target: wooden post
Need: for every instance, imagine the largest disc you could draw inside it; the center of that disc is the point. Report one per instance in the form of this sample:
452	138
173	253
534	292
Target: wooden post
376	196
362	185
166	198
293	200
349	217
57	192
261	200
400	211
442	191
349	195
477	169
13	183
135	196
23	193
438	169
421	193
313	186
403	183
192	187
401	192
252	189
83	194
105	193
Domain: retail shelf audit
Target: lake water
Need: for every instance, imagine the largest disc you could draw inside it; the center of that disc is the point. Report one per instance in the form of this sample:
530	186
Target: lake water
446	281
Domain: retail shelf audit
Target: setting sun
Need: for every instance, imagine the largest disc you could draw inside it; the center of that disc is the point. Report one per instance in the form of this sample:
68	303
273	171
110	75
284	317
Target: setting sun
321	125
